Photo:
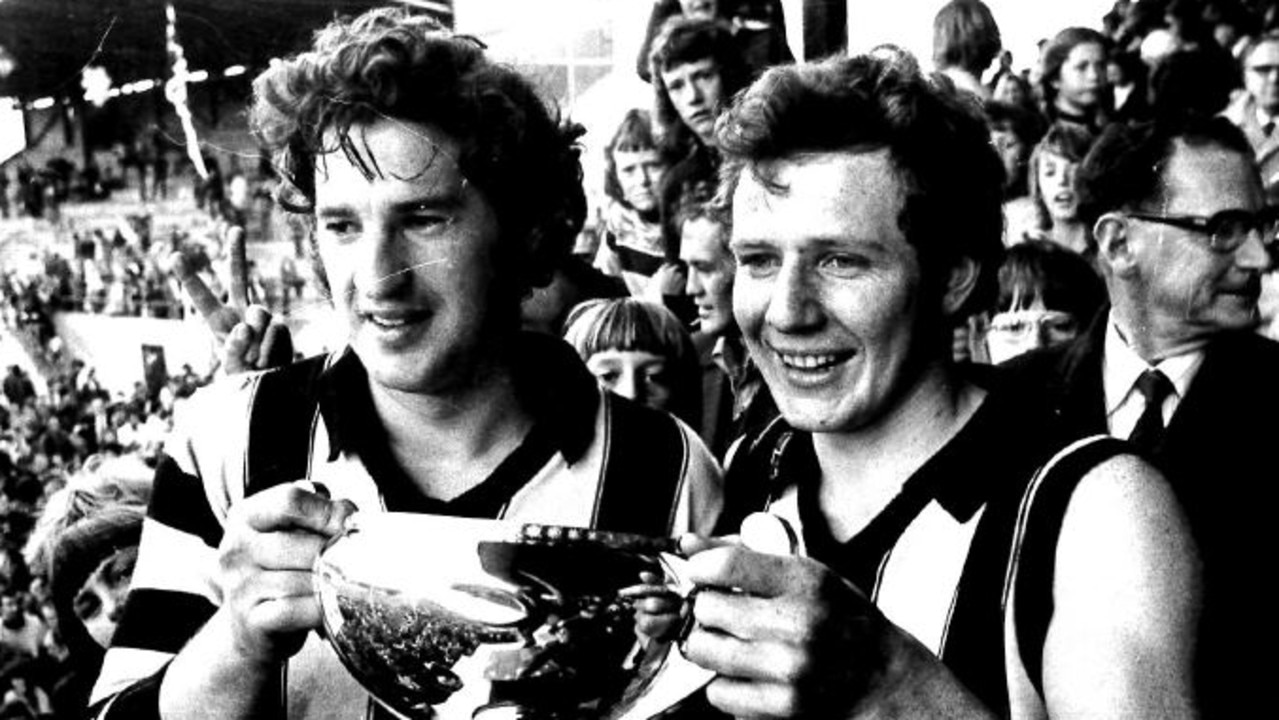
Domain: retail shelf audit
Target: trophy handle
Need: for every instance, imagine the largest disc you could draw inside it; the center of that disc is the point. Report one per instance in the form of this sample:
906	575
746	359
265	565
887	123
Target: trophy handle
678	678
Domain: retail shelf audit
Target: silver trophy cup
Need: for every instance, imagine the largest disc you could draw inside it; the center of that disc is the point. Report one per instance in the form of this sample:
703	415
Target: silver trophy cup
442	617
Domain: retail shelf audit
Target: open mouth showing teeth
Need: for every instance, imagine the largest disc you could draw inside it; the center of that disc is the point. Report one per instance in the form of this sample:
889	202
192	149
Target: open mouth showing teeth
810	362
388	323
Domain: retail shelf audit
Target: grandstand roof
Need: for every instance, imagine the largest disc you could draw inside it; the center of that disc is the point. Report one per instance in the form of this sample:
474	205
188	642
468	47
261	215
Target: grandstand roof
49	42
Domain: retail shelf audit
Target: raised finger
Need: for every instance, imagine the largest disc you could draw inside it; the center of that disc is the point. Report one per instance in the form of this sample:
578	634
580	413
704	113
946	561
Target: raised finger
239	267
206	303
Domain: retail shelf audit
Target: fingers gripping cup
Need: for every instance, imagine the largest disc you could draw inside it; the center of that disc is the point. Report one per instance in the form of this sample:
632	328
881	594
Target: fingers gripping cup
442	617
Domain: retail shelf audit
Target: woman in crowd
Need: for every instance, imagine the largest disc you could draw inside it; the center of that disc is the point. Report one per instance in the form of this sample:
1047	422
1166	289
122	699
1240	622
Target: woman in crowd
1015	131
1047	295
1074	85
1052	186
640	351
631	243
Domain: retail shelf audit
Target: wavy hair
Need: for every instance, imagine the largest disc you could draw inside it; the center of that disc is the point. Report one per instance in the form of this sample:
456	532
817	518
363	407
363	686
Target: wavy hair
391	63
1065	140
685	40
1054	56
936	135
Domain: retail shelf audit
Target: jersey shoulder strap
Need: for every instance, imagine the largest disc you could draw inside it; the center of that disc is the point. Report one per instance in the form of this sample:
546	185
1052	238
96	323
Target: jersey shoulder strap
281	423
645	463
752	471
1032	560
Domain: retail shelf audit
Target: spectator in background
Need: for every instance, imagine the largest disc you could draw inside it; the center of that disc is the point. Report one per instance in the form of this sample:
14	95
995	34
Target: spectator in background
965	41
735	400
1052	186
632	246
1012	89
18	388
1197	81
1128	77
1015	131
160	171
758	26
1175	366
1047	296
1255	108
24	699
640	351
210	190
1231	24
85	542
1185	22
21	632
696	70
1074	85
574	281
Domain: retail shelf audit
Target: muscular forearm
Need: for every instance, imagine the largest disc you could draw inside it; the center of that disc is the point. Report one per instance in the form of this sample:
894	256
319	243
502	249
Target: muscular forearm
209	680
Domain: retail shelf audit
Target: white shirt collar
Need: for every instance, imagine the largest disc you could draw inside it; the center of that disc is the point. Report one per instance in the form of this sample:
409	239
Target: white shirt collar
1263	117
1121	366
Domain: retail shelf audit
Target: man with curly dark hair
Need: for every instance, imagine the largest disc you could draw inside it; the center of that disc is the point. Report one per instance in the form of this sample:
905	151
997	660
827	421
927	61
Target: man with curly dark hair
438	190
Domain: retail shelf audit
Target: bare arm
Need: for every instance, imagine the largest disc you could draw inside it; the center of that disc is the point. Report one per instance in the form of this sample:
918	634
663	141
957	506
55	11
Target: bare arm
1126	600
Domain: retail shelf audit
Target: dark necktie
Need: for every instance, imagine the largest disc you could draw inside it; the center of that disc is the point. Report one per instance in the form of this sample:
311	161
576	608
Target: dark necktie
1155	387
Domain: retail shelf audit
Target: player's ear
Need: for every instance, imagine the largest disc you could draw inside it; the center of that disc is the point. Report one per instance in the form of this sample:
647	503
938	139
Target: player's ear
960	284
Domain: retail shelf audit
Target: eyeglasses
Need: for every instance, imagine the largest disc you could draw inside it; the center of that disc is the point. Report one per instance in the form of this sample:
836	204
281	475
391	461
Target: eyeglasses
1226	230
1054	324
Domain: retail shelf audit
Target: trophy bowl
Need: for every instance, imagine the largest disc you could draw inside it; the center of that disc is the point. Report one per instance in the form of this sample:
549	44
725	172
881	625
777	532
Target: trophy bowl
443	617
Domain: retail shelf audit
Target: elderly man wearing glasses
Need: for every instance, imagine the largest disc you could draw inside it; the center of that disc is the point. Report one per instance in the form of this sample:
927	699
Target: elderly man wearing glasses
1184	237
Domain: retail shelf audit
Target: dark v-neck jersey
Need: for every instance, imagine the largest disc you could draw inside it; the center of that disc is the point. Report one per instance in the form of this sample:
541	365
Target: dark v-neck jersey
563	423
986	465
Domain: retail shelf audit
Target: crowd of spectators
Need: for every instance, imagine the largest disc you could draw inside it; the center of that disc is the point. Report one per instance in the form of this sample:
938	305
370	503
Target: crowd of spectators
76	459
58	452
